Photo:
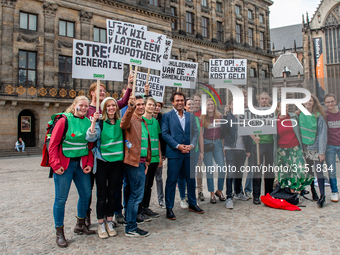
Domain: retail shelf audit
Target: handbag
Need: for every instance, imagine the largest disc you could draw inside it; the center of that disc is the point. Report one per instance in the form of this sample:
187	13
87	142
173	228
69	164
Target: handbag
209	147
285	194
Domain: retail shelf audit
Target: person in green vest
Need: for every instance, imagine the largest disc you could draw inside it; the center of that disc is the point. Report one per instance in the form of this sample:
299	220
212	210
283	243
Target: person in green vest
71	159
313	130
108	166
156	155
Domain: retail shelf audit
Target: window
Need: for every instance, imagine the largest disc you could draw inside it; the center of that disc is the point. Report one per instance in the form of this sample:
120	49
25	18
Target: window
238	33
65	72
99	35
174	12
28	21
206	66
27	68
261	18
218	7
174	57
219	31
191	60
66	28
153	2
237	9
250	14
205	30
205	3
189	22
261	40
263	73
250	36
252	73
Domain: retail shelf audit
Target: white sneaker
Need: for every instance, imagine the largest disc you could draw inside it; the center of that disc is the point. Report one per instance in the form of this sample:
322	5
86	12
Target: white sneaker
248	194
334	197
184	204
316	183
109	225
102	231
229	203
327	183
240	196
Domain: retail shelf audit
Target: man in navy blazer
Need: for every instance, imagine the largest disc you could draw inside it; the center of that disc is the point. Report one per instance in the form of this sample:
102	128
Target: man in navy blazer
179	131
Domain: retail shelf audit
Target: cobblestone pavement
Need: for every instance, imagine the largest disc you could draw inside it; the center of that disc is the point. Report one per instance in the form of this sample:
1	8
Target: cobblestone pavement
27	227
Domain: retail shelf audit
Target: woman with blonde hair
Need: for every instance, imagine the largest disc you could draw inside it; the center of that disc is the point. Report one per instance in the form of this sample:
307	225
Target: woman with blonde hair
108	167
71	159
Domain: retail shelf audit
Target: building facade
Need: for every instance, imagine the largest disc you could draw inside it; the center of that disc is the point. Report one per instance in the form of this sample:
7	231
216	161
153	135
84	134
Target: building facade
36	49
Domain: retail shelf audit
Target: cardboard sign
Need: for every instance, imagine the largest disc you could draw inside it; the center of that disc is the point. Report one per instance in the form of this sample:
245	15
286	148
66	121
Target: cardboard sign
167	51
111	24
156	90
136	46
91	60
177	73
228	71
257	124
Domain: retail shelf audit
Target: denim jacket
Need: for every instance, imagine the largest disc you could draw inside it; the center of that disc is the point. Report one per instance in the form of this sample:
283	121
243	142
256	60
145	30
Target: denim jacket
321	137
92	137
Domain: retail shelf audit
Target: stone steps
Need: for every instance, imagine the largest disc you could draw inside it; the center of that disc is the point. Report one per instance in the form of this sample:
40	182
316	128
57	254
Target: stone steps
29	151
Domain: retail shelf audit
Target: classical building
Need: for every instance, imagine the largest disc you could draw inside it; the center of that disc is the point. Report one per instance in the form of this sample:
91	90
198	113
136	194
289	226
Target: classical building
36	49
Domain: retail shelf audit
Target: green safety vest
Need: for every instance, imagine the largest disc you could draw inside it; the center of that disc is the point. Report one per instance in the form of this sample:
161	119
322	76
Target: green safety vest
144	143
75	143
308	127
153	130
198	123
112	145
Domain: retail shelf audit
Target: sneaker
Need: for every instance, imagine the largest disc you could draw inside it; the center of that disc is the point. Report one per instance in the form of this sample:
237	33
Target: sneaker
334	197
150	213
137	233
102	231
145	217
109	225
321	201
184	204
248	194
140	219
201	196
327	183
240	196
316	183
229	203
162	204
119	218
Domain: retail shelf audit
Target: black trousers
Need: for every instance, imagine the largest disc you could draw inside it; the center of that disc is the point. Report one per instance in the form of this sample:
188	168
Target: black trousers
234	161
108	178
318	168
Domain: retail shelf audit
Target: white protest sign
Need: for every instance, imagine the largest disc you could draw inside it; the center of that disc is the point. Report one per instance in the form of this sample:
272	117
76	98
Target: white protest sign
177	73
167	51
138	47
228	71
110	25
156	90
91	61
257	124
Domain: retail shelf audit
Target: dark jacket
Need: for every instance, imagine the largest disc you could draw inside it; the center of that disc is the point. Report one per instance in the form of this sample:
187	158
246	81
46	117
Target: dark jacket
161	140
229	134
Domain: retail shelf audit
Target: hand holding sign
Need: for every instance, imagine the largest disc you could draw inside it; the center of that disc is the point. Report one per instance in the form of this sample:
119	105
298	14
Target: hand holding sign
132	101
147	89
130	80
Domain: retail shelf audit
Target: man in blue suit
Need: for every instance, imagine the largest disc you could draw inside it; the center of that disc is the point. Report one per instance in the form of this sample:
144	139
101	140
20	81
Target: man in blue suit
179	131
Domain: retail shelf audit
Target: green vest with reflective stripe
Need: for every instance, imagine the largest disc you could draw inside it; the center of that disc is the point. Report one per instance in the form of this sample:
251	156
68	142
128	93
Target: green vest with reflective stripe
198	123
75	143
144	143
308	127
112	145
153	130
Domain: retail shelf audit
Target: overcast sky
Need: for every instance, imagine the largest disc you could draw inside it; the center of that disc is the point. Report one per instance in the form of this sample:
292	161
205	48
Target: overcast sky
289	12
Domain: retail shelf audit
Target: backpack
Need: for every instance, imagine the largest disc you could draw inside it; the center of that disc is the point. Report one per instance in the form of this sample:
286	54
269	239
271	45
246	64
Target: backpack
45	151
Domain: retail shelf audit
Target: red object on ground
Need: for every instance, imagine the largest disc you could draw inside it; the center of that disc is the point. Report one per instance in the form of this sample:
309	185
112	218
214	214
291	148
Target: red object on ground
268	200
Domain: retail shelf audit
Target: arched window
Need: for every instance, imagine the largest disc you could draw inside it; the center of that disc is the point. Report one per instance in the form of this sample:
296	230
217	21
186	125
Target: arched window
332	36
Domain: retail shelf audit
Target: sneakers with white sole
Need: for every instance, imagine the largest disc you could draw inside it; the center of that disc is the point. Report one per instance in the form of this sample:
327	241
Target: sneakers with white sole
109	225
137	233
184	204
240	196
102	231
229	203
334	197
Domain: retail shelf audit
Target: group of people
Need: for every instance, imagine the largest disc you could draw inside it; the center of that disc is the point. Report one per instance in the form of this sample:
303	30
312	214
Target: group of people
122	147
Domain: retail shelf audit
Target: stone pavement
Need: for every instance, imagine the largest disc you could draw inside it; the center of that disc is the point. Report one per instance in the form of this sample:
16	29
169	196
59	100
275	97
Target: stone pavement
27	227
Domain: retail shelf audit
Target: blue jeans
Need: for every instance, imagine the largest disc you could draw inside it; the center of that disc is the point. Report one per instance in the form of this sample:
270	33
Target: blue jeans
62	185
217	154
331	153
18	147
136	179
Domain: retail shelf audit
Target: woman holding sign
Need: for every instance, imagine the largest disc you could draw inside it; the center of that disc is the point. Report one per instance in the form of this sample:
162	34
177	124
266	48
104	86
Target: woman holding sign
71	159
109	155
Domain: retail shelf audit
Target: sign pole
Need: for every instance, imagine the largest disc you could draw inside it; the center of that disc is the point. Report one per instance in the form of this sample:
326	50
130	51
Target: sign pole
147	77
97	101
134	81
258	151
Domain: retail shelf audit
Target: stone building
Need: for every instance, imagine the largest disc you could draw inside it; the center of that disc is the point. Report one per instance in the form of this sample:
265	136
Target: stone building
36	49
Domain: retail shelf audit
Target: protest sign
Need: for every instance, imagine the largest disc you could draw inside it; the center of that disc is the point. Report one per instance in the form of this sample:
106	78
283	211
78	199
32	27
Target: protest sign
251	124
91	61
167	51
228	71
156	90
137	46
177	73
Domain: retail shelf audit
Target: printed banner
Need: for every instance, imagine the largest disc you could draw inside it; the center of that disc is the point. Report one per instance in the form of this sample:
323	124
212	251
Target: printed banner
91	60
251	124
228	71
156	90
167	51
137	46
319	70
177	73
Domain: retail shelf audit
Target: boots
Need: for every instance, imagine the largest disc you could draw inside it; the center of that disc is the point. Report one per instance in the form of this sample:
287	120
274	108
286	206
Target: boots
88	218
314	194
321	201
81	228
61	241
